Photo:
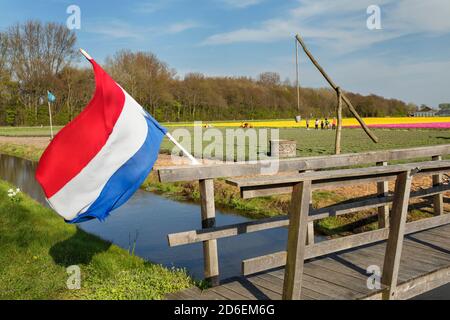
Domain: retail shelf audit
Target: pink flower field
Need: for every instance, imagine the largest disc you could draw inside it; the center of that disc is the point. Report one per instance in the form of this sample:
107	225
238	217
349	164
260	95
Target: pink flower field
430	125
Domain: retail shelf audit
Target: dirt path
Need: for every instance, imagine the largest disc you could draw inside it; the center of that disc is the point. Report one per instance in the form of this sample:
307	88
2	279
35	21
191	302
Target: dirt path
38	142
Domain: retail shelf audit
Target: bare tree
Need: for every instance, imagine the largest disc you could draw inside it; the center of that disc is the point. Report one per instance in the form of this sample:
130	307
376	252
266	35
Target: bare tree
144	76
38	52
269	78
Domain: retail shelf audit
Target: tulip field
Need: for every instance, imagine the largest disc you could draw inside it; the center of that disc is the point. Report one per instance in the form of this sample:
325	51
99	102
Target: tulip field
388	123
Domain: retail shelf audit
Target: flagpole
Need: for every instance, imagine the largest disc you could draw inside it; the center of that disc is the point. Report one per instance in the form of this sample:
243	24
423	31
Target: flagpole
51	124
191	158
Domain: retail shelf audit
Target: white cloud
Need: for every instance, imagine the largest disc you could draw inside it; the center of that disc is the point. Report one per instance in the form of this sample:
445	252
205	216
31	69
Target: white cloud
241	3
182	26
341	25
118	29
151	6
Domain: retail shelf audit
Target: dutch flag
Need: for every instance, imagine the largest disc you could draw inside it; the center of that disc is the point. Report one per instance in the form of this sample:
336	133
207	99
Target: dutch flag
97	162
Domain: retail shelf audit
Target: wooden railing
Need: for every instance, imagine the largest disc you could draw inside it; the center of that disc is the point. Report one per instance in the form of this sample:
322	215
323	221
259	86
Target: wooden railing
299	179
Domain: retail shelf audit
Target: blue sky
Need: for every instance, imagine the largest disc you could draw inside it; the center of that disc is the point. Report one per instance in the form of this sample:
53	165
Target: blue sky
408	59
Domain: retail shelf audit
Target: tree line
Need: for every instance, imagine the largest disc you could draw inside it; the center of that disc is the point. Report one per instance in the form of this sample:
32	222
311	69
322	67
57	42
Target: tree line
36	57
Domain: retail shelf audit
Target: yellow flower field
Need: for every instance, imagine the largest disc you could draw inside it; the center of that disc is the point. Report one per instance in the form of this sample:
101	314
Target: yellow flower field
347	122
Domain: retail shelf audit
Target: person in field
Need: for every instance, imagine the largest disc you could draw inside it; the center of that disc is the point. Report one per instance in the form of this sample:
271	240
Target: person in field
333	124
322	124
316	124
307	124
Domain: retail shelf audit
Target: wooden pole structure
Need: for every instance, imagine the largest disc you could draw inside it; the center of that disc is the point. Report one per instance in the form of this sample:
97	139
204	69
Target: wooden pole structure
335	87
297	77
339	122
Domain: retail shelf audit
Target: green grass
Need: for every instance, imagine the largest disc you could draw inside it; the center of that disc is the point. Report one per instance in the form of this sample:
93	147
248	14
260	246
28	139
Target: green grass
28	131
36	247
21	151
321	142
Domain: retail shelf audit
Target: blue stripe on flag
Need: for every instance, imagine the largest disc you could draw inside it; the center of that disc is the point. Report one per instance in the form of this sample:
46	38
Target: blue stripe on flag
125	181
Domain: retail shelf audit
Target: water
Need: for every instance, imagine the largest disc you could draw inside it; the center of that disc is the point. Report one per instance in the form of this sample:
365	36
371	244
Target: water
147	219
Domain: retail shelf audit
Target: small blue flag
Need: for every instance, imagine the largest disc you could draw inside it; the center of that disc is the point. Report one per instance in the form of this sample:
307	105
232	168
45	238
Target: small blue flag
50	97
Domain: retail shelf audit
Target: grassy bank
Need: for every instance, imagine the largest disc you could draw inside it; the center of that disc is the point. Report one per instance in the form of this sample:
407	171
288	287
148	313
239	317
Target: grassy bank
36	247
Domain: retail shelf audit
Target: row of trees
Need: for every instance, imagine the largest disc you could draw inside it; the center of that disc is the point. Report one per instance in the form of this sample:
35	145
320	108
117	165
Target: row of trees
36	57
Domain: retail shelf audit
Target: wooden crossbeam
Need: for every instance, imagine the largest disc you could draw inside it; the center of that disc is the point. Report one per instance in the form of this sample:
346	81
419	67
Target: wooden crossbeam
194	236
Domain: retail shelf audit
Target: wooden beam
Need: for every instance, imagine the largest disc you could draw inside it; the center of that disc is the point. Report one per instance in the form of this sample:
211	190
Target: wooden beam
193	236
194	173
278	259
337	176
383	211
296	245
210	256
438	200
396	234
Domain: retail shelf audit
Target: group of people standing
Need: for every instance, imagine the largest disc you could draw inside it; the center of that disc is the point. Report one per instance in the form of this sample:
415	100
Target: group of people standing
323	124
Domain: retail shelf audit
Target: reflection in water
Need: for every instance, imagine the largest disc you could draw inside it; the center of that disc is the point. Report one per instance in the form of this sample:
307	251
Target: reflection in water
147	218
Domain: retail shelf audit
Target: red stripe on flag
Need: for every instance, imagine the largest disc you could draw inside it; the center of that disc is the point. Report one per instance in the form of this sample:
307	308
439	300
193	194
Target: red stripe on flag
80	141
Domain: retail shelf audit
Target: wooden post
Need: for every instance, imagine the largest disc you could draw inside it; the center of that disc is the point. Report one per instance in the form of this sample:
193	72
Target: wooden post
211	260
339	122
438	200
396	233
310	230
298	221
382	191
334	86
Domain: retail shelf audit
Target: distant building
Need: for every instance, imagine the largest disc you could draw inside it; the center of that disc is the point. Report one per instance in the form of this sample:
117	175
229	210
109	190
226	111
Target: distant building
443	113
425	112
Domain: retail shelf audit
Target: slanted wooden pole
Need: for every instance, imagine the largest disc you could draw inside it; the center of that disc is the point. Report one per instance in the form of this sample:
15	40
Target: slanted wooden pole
438	200
396	234
210	256
298	225
382	191
337	145
334	86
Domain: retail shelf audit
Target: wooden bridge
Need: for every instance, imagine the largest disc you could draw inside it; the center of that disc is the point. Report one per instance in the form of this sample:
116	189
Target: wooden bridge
397	261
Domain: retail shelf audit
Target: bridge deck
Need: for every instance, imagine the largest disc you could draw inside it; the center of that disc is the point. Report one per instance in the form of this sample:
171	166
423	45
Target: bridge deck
425	265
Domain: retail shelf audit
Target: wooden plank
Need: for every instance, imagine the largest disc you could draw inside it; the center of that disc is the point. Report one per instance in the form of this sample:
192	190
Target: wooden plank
193	173
270	190
278	259
438	200
270	289
337	176
307	294
419	285
240	285
298	215
396	233
228	293
210	256
194	236
339	279
383	211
